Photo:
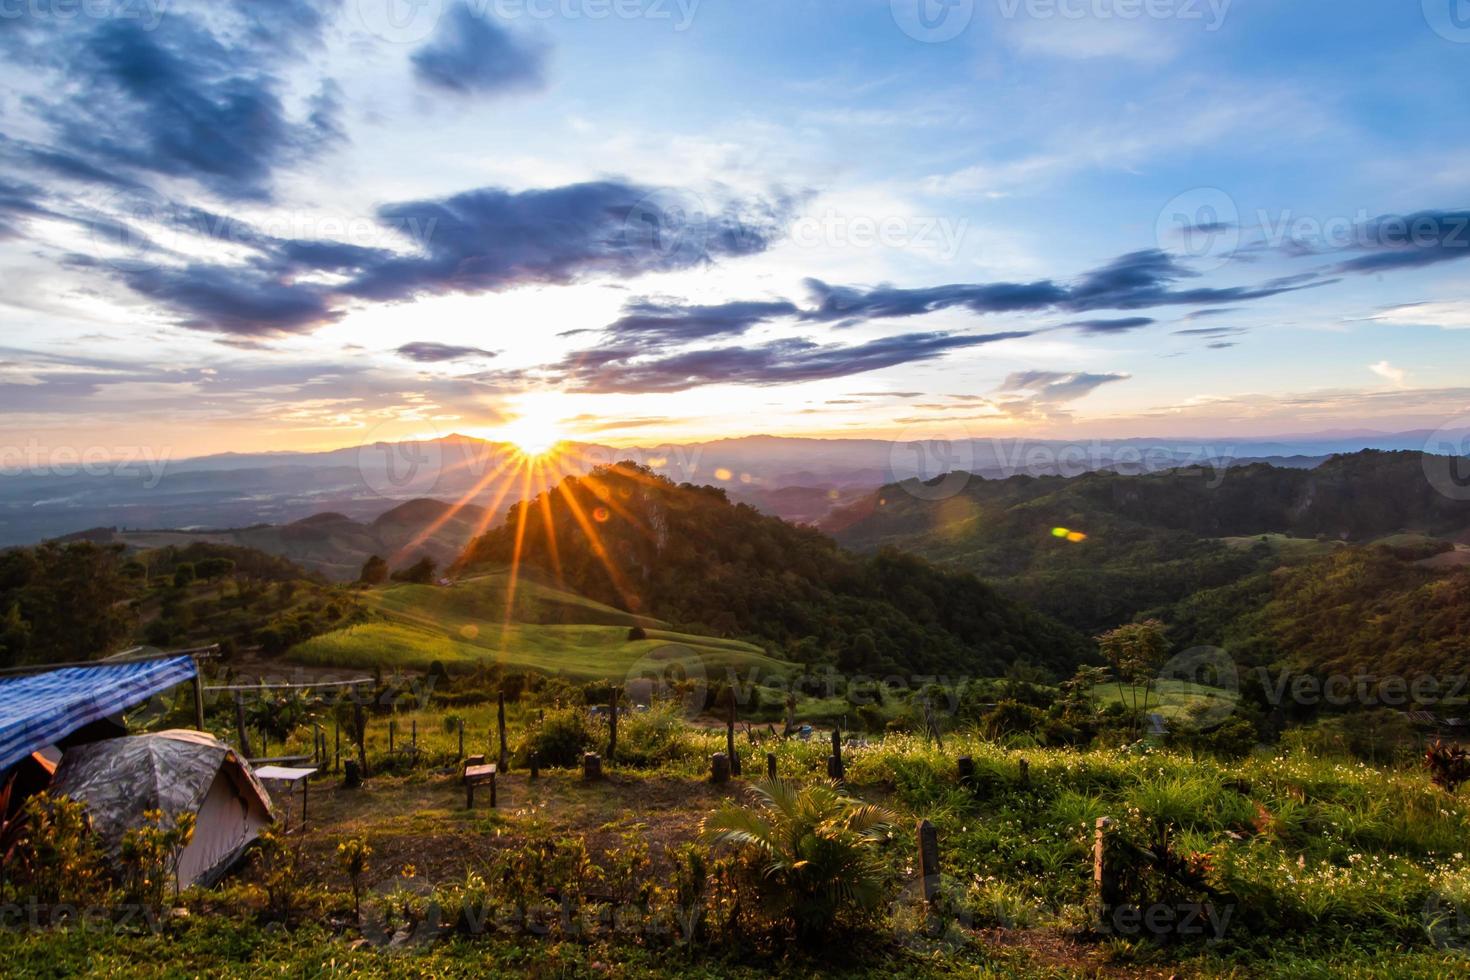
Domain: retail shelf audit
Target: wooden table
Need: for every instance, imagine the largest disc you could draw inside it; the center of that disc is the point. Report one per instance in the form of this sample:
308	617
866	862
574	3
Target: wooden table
476	776
288	775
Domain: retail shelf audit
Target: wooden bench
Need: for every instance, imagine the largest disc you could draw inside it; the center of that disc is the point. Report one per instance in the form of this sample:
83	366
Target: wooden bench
479	776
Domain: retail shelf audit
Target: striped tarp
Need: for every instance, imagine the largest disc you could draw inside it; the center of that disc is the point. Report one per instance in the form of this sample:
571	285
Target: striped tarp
38	709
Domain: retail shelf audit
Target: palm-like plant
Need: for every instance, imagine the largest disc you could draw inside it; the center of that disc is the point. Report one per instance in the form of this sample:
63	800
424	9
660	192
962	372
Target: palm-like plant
813	847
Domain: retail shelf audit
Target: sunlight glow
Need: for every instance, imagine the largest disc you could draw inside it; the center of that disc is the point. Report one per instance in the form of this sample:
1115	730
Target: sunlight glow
537	428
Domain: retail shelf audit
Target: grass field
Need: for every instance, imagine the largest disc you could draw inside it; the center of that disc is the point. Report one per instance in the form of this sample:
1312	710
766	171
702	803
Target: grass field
1285	546
1174	699
463	627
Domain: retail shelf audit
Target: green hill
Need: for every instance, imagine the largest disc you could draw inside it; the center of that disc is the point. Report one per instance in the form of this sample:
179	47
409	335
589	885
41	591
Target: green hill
1152	541
635	541
463	626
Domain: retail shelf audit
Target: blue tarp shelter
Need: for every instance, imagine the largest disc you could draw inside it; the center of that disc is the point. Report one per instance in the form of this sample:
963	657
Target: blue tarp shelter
38	709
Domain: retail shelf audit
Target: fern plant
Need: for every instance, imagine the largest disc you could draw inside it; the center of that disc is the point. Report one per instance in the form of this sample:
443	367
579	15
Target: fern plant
813	850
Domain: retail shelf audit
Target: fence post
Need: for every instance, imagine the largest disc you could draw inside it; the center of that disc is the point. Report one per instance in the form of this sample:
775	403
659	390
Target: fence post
461	738
535	765
966	766
360	724
929	860
719	768
770	765
240	730
504	758
1104	875
612	726
1025	774
834	762
337	736
392	731
591	766
730	736
414	732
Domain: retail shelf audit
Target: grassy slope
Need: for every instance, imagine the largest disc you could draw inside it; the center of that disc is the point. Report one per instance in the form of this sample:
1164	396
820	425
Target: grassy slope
462	626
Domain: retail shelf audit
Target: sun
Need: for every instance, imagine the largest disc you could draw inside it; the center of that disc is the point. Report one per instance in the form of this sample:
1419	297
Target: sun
536	431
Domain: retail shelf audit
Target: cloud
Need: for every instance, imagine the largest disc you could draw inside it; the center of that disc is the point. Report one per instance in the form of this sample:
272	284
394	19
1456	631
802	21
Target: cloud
1043	395
470	53
1135	280
1121	325
1447	314
484	240
650	321
1409	241
779	362
189	97
427	352
1395	376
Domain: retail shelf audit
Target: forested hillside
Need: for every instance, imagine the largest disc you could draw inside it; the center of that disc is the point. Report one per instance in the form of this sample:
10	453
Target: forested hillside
632	539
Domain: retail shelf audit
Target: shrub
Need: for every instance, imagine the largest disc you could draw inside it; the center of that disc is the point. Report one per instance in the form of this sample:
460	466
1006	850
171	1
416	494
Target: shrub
816	849
559	739
352	855
149	858
59	861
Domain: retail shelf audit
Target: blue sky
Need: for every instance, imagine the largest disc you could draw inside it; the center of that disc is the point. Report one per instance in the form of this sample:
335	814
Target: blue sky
306	224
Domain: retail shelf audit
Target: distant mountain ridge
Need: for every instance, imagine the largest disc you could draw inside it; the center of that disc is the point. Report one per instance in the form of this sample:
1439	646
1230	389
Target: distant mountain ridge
782	475
332	544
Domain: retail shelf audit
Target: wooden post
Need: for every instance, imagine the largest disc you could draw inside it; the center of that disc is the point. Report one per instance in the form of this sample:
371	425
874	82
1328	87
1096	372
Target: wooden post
834	761
305	791
415	735
492	790
1104	876
535	765
469	795
351	775
966	766
770	765
591	766
612	726
730	735
1025	774
337	737
461	738
503	760
360	726
198	698
929	860
240	730
719	766
392	730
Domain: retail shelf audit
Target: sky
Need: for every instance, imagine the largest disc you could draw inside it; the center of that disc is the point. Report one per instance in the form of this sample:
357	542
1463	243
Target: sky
304	224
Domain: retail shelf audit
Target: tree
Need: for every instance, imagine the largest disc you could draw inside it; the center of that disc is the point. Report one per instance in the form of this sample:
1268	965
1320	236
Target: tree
374	571
1136	652
420	572
184	575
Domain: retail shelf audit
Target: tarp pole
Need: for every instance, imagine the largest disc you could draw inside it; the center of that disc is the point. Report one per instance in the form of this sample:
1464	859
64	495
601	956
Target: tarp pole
198	696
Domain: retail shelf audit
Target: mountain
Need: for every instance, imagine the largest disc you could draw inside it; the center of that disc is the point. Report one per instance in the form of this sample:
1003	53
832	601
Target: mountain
332	544
786	477
1149	540
625	536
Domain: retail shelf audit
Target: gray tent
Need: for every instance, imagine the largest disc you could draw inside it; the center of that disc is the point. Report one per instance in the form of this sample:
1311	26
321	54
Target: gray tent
174	771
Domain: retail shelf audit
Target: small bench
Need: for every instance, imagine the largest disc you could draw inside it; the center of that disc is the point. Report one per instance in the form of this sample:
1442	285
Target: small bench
479	776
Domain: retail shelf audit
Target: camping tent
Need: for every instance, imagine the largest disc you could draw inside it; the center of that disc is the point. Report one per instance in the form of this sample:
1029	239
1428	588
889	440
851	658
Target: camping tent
174	771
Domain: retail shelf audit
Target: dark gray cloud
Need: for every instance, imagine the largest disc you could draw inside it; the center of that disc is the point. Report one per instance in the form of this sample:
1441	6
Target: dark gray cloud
470	53
426	352
657	322
1411	241
778	362
1209	332
1120	325
183	99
